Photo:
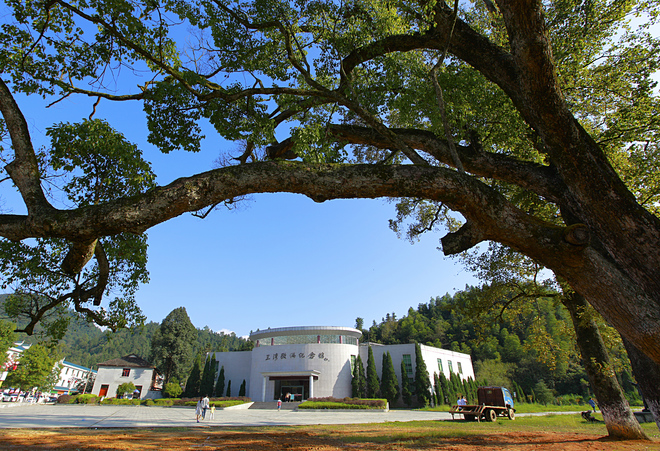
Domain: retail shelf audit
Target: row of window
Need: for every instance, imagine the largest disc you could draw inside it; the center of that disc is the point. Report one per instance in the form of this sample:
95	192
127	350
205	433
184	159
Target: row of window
74	372
450	366
307	339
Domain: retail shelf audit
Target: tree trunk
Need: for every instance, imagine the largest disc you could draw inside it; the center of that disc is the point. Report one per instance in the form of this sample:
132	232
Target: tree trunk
647	375
619	418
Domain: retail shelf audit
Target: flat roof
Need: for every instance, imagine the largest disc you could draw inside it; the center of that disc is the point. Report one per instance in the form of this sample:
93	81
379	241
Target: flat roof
305	330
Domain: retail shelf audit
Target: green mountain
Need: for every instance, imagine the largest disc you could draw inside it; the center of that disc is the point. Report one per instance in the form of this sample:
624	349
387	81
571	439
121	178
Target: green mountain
517	347
87	345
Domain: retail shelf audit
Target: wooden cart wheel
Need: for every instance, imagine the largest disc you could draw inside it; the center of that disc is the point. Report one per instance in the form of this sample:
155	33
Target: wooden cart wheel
491	415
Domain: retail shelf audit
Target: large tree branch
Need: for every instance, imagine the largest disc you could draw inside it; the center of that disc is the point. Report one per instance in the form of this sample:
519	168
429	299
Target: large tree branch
494	62
542	180
24	170
479	203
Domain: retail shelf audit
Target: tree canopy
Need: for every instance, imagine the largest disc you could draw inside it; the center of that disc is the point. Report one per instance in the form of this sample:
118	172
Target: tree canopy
172	345
536	121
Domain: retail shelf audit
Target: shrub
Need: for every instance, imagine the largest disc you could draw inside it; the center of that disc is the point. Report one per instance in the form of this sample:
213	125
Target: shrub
124	388
565	400
345	403
87	399
172	390
66	399
163	402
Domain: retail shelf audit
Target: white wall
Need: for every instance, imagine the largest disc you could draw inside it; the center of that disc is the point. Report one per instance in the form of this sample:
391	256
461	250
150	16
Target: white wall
237	368
429	354
331	360
112	376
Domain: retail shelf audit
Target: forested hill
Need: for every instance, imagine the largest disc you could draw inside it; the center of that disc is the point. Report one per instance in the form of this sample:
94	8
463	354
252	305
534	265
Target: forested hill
522	345
87	345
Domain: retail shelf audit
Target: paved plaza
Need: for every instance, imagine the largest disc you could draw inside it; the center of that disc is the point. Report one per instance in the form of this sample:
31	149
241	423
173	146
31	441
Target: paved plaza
108	416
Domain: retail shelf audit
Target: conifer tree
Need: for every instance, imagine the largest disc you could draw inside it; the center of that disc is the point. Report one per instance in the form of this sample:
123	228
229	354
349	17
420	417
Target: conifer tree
208	376
241	390
446	389
228	389
406	392
439	395
172	344
389	386
194	379
373	385
220	384
422	379
356	380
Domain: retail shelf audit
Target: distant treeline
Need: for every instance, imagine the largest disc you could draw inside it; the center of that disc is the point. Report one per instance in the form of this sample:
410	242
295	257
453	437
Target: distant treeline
517	347
87	345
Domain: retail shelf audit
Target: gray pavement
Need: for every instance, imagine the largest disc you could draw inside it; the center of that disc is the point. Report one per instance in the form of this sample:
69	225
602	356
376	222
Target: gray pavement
108	416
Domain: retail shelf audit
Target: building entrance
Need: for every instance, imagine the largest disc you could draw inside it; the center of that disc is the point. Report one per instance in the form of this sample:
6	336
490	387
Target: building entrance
297	388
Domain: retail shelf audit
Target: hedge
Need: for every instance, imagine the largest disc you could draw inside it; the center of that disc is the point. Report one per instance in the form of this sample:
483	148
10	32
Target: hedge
345	403
162	402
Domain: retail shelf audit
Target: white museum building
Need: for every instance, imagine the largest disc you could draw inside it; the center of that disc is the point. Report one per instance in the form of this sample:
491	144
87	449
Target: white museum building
315	362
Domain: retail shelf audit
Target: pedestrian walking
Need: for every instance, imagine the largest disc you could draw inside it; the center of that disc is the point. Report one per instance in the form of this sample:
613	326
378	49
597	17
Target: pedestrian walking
198	409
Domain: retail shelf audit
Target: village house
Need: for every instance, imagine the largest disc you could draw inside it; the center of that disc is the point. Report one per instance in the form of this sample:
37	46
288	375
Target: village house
131	368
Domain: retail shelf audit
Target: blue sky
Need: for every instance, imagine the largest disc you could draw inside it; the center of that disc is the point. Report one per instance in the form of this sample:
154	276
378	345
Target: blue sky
279	260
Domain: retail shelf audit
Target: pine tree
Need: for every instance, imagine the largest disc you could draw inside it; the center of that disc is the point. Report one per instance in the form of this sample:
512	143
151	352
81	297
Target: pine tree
194	379
446	389
406	392
220	384
389	386
373	385
172	344
357	383
208	376
439	395
228	389
422	379
241	390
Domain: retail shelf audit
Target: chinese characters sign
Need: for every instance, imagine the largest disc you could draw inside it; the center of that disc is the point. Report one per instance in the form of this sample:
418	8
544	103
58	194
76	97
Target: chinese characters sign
293	355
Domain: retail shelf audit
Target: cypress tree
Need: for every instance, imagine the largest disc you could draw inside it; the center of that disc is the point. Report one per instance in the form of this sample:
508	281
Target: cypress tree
422	379
229	389
356	380
172	344
373	385
362	387
439	395
446	389
194	379
220	385
241	391
208	377
406	392
389	386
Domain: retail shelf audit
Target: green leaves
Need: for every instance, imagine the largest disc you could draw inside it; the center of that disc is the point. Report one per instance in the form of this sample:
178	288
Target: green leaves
102	164
36	369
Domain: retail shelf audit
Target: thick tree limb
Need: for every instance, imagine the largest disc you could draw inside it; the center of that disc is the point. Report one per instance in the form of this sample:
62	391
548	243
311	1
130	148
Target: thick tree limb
542	180
79	255
24	170
463	239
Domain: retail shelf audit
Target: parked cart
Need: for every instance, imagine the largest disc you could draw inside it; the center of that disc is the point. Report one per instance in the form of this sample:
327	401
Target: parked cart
493	402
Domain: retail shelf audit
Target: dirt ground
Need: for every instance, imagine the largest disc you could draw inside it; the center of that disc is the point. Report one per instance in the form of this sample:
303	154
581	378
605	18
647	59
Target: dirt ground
366	437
